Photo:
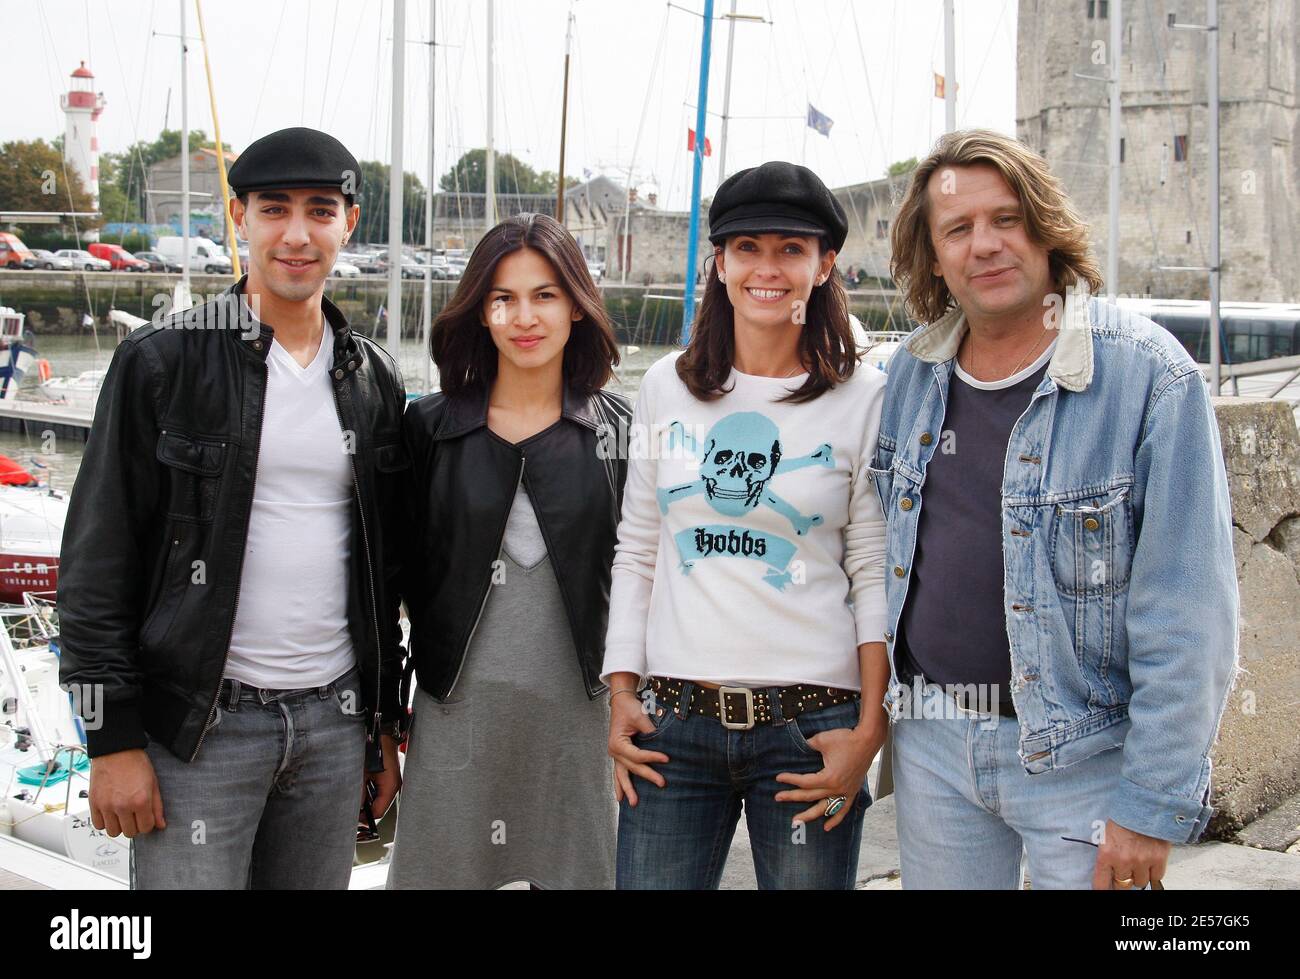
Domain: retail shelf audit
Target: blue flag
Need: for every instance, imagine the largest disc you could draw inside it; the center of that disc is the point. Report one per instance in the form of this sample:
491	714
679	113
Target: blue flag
819	122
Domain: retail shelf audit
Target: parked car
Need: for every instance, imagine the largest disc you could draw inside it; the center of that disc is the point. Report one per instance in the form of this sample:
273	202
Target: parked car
13	253
83	260
345	270
117	257
43	258
597	270
159	262
205	255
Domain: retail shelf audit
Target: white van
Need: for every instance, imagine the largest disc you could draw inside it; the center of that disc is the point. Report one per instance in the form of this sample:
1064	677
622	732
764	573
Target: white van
205	254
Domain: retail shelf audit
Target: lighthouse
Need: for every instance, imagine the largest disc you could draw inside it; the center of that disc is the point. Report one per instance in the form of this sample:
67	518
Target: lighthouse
82	106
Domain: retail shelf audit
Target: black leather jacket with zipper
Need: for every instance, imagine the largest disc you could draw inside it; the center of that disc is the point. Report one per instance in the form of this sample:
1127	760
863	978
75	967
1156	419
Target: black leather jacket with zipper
153	545
463	481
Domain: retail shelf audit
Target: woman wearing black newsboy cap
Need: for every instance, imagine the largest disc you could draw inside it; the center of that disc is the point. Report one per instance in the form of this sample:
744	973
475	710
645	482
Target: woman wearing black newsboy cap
748	581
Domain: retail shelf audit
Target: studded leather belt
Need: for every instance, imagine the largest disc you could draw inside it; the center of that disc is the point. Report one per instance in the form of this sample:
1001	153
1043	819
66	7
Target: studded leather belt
740	708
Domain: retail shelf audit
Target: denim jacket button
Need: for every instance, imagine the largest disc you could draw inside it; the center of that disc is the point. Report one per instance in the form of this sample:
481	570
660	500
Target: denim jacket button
1091	524
889	636
926	438
905	503
898	572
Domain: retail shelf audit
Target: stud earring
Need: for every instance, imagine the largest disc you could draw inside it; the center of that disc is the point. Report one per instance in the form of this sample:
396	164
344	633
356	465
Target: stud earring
722	278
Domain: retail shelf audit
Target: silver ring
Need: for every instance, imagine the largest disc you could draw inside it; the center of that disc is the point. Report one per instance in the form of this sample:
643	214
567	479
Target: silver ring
834	804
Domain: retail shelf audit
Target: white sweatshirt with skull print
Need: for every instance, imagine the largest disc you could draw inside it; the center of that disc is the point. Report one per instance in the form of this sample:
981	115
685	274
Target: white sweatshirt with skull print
751	546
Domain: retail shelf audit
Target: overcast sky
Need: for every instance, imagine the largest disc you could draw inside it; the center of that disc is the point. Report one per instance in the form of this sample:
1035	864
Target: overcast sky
867	64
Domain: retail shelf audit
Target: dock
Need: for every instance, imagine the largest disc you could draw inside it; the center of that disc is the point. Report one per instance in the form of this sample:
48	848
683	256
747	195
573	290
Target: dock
36	418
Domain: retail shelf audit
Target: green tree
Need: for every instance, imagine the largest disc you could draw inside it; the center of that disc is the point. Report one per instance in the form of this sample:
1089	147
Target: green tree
33	178
114	203
131	173
901	167
513	176
372	195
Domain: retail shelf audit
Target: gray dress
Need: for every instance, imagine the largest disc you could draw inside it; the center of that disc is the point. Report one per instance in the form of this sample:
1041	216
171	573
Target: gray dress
510	780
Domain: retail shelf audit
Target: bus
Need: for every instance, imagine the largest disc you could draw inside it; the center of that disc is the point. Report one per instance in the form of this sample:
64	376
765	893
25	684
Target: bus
1249	331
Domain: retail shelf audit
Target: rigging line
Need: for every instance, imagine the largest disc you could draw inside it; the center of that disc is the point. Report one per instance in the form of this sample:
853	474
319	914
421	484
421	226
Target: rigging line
329	61
830	58
267	76
76	231
302	104
133	152
1164	87
988	49
645	108
468	49
347	63
891	56
133	117
871	98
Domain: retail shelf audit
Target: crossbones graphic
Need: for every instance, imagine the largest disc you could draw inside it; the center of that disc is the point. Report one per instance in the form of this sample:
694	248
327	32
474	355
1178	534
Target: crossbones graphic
741	456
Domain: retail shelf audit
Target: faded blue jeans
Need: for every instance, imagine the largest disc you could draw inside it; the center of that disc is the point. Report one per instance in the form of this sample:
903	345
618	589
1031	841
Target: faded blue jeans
677	837
270	802
967	811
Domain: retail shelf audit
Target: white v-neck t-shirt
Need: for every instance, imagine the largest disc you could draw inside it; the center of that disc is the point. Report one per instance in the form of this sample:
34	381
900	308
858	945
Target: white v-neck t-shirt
291	624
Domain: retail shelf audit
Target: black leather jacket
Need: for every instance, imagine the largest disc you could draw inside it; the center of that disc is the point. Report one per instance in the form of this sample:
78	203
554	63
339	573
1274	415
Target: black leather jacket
463	483
167	481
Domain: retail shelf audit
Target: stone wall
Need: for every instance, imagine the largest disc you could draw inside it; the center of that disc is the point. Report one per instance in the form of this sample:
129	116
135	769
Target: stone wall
1257	757
1164	217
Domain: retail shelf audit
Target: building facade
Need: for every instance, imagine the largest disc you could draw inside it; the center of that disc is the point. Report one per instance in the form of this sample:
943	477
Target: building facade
207	217
1164	213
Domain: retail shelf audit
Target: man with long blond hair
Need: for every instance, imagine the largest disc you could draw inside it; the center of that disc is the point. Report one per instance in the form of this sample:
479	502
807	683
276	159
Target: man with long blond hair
1062	607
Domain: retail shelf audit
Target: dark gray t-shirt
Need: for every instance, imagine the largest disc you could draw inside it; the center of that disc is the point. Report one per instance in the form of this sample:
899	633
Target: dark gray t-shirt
953	623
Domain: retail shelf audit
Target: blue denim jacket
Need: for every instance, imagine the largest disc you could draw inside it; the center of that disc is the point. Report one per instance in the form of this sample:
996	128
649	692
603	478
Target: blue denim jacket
1120	583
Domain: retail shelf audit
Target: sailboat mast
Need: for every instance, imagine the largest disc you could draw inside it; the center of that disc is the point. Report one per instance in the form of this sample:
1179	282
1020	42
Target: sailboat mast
1212	43
185	163
221	154
726	93
427	318
1112	233
564	120
949	68
490	163
701	118
395	182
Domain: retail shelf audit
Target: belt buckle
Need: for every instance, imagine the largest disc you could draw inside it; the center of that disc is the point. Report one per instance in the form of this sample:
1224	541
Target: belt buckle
749	708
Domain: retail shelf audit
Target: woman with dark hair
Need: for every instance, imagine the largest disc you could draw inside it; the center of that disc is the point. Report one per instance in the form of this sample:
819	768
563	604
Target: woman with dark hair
745	654
514	501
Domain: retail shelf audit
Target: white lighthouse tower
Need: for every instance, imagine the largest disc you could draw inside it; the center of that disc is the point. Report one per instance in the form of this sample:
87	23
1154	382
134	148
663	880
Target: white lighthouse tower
82	105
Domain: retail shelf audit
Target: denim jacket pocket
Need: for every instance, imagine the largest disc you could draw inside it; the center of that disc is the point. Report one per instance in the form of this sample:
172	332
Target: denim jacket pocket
1092	543
1091	557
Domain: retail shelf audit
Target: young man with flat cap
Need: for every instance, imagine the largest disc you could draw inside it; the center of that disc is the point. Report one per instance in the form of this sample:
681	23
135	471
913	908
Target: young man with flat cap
224	558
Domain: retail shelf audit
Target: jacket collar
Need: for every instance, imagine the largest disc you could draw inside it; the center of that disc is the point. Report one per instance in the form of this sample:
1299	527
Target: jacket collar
1071	363
348	354
469	410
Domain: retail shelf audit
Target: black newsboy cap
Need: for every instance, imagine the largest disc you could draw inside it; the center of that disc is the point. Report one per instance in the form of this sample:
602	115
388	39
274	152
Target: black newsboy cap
297	157
776	197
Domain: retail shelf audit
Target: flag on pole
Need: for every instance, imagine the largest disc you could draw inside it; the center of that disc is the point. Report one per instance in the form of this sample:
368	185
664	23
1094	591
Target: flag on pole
818	121
690	143
938	86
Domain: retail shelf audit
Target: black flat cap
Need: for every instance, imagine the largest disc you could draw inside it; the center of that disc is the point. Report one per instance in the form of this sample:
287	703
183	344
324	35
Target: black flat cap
776	197
297	157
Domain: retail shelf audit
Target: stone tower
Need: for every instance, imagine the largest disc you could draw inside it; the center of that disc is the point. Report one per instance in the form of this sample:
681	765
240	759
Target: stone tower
1164	214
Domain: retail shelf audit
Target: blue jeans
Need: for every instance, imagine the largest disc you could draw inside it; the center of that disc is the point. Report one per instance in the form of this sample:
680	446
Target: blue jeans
271	800
677	837
967	810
